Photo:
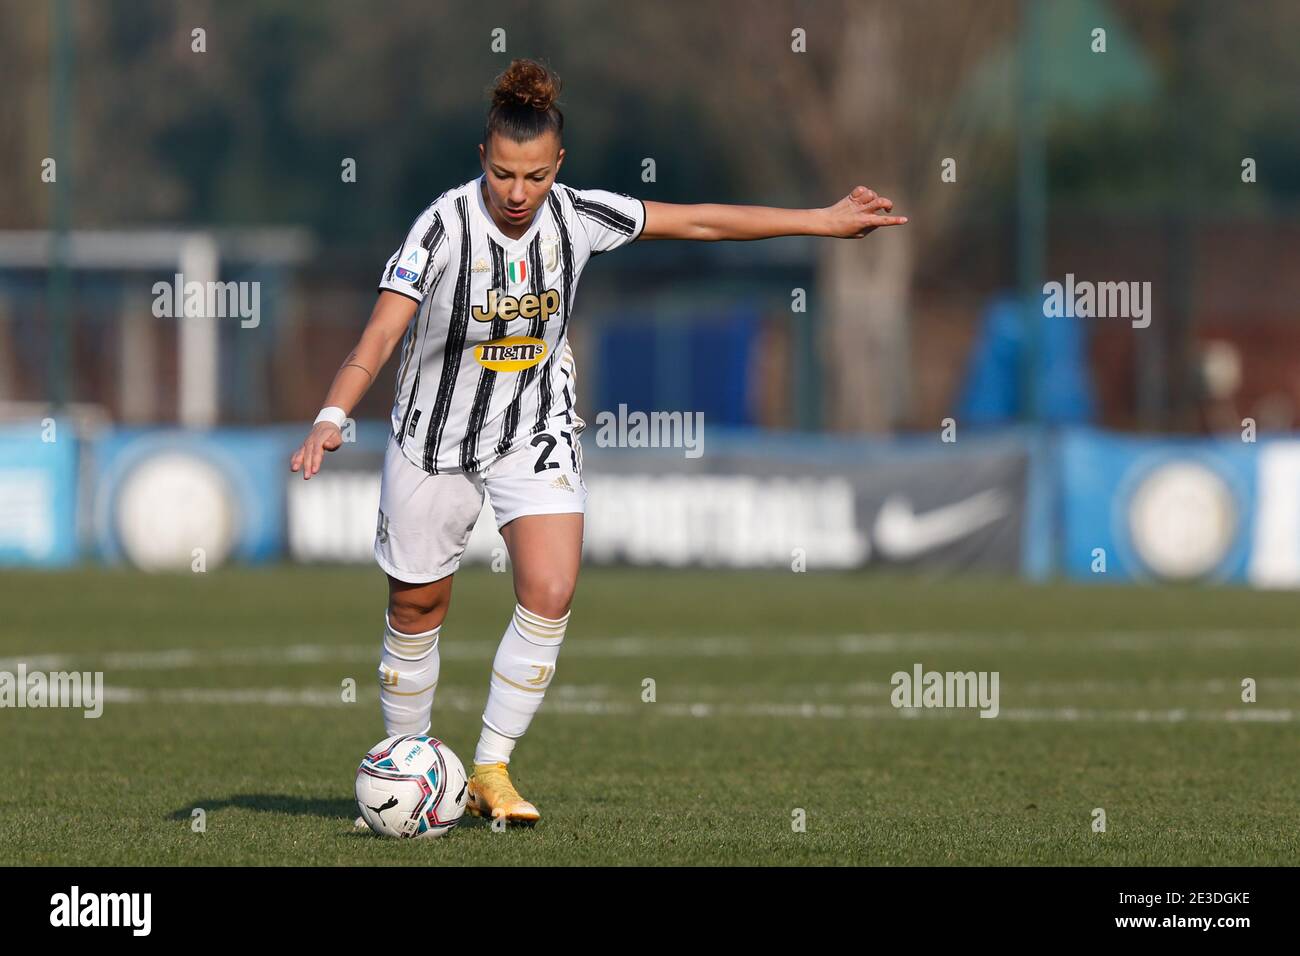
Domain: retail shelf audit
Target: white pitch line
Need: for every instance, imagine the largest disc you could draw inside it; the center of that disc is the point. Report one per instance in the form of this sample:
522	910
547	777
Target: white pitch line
1131	686
573	704
793	645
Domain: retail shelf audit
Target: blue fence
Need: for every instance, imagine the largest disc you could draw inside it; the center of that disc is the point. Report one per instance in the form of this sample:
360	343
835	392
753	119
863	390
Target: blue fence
1078	502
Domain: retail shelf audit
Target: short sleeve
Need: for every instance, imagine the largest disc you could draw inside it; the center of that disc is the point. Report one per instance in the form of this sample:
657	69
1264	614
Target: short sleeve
417	264
610	219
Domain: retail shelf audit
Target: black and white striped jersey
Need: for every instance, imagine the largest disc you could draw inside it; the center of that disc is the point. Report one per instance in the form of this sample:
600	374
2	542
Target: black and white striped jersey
485	362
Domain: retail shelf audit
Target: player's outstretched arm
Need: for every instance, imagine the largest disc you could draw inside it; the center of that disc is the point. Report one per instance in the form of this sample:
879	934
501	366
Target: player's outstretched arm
853	217
388	322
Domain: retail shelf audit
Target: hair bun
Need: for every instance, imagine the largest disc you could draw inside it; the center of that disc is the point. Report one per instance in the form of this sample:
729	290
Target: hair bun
526	83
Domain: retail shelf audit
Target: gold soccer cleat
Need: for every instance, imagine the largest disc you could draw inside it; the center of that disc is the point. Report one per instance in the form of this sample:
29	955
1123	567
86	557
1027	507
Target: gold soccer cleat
492	795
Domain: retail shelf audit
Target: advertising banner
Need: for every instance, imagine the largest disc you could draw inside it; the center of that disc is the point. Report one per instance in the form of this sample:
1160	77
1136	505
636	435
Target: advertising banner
38	494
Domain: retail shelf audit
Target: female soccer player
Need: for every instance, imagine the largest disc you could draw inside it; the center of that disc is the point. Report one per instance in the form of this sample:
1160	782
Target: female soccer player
480	294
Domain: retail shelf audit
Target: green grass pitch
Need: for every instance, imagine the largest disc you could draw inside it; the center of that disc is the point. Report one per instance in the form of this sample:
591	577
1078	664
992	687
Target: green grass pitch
772	696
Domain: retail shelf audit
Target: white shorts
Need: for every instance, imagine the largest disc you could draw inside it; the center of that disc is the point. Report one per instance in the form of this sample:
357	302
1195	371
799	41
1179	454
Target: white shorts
425	520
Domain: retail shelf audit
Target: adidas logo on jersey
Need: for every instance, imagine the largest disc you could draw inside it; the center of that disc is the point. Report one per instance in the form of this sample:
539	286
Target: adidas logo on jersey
562	483
508	307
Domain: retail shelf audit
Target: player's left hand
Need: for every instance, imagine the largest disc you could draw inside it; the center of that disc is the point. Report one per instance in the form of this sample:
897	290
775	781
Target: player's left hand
858	213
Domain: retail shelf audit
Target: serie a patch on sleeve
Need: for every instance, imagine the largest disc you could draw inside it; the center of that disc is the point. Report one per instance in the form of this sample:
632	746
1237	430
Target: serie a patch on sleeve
413	265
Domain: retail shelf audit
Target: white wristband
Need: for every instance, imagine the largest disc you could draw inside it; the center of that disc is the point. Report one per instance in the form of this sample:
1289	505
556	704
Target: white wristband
332	414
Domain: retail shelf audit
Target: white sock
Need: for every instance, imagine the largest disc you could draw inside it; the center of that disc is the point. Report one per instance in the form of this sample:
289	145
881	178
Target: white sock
408	676
524	666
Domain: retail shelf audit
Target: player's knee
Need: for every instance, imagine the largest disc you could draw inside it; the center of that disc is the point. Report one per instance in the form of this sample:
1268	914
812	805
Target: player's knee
549	602
415	608
549	599
413	614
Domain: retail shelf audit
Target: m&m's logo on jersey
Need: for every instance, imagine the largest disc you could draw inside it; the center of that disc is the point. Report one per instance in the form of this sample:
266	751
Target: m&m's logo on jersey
510	354
507	307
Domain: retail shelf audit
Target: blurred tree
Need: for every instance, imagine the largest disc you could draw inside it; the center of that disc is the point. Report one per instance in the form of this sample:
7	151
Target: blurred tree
24	112
254	129
871	103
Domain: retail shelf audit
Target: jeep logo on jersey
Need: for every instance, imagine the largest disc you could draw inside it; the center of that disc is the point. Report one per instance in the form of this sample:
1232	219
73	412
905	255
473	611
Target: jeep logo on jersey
510	354
508	307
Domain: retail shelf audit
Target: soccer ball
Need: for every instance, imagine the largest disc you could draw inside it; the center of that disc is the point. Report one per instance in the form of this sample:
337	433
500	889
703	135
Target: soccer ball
410	785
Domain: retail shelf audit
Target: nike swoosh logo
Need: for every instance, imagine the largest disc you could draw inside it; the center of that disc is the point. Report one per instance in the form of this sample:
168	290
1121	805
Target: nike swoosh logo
901	533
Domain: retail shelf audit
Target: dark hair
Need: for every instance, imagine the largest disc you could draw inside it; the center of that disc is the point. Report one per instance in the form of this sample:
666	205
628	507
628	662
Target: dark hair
523	100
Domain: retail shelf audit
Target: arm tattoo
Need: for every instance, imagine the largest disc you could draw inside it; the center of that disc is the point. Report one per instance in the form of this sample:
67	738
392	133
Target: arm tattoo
362	367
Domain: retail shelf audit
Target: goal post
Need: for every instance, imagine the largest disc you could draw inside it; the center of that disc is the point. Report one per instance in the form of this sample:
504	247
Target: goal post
175	256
